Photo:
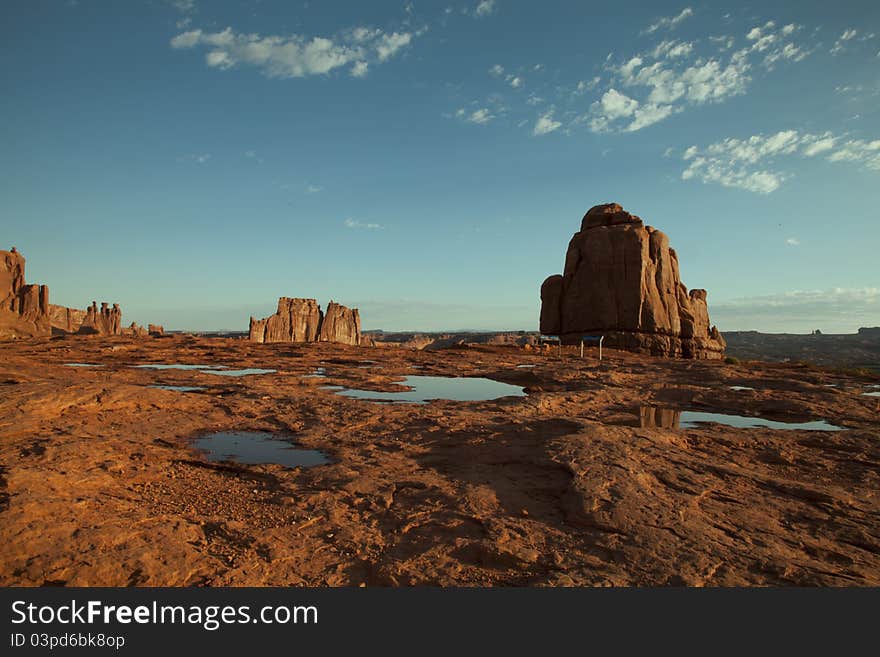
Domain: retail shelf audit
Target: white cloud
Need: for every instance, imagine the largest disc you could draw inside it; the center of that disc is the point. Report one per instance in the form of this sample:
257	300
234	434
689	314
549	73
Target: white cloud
313	189
388	45
840	45
740	163
354	223
673	75
479	116
648	115
545	124
359	69
516	82
484	8
497	70
793	241
670	22
671	49
295	56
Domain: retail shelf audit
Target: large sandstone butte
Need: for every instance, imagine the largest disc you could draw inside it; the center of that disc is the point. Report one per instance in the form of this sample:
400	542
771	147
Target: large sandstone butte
301	320
24	309
621	280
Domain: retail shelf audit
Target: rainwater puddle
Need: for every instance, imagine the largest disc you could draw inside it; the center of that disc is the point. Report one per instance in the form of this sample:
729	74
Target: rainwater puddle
667	418
424	388
252	447
245	372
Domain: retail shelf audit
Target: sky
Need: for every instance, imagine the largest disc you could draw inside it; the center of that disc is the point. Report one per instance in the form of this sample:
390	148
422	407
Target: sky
428	162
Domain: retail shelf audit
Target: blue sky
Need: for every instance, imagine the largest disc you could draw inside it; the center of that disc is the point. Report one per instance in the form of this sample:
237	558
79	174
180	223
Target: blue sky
429	161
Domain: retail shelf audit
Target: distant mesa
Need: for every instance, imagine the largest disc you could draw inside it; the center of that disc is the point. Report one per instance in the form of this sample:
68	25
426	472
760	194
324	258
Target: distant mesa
25	310
301	320
621	280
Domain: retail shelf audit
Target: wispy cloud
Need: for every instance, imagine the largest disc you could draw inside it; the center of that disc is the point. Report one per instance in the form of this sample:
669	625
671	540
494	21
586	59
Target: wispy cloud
479	116
669	22
673	75
198	158
546	124
354	223
313	189
484	8
793	241
296	56
746	163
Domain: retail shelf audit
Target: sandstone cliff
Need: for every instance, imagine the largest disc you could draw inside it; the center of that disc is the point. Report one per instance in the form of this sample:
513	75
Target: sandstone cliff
621	279
340	324
301	320
24	309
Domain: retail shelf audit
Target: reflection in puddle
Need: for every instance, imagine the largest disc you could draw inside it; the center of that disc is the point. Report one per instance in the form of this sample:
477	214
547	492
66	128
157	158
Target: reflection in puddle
740	387
178	366
524	366
668	418
257	447
179	388
244	372
871	394
83	365
424	388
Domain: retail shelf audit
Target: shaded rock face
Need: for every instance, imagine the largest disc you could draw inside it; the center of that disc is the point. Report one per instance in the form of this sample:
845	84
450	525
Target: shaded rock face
64	319
621	280
24	309
301	320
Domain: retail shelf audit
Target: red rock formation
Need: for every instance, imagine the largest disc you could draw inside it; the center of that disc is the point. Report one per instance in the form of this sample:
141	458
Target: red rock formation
156	330
301	320
621	280
340	324
24	309
136	330
106	321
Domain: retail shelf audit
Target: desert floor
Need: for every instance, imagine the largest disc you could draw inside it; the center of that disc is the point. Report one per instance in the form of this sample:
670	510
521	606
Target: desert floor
100	484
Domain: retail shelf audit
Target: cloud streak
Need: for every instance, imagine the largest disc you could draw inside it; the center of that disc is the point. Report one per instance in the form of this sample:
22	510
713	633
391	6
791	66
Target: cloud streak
748	163
295	56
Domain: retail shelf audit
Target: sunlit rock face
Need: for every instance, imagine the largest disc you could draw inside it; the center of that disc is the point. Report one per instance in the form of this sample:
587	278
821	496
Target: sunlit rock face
621	280
24	309
301	320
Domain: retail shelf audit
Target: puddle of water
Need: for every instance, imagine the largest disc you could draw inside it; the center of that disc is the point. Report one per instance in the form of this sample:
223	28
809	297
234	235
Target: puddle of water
524	366
178	366
424	388
254	447
244	372
871	394
83	365
740	387
179	388
319	373
667	418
